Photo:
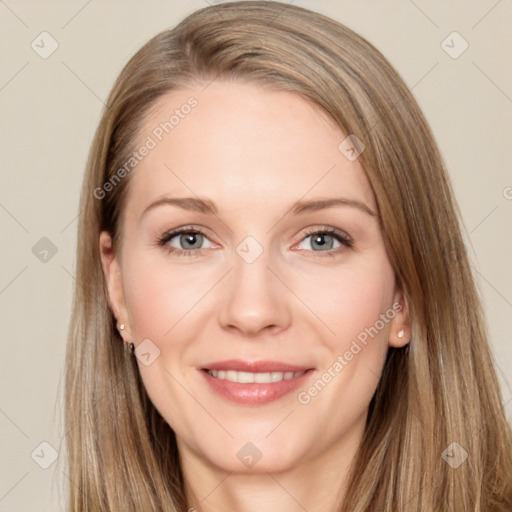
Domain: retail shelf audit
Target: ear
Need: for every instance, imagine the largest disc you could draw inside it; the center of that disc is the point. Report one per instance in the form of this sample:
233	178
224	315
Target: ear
113	280
400	322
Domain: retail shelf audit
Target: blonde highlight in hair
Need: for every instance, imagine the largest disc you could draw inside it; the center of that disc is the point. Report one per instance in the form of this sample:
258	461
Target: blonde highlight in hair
441	388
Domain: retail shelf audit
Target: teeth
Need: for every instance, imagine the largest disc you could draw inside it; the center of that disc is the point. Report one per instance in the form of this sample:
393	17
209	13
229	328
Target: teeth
250	377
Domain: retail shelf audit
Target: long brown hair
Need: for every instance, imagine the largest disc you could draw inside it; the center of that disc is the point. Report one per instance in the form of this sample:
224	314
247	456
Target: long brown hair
441	389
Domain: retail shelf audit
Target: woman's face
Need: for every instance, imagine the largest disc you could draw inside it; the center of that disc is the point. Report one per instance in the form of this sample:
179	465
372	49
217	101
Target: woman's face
290	300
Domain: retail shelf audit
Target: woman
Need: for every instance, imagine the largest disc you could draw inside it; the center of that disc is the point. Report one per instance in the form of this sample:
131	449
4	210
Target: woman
275	306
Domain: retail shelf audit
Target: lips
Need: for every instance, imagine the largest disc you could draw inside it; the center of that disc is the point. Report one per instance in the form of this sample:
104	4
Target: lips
254	382
254	366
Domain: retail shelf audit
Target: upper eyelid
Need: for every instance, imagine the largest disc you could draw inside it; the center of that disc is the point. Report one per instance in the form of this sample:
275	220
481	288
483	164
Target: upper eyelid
172	233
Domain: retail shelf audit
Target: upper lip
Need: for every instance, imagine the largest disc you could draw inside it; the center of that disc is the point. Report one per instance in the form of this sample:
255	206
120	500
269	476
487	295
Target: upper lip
254	366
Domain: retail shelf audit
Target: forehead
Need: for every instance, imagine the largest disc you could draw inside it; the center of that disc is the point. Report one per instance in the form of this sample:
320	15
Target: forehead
241	143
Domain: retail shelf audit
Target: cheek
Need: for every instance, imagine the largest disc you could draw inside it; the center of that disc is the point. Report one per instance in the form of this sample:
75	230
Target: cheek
353	301
358	310
158	297
160	303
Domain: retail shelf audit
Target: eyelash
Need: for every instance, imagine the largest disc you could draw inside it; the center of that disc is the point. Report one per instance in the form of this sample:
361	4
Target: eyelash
344	239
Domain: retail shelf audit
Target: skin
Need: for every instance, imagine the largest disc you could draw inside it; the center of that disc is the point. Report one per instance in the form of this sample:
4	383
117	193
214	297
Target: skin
254	151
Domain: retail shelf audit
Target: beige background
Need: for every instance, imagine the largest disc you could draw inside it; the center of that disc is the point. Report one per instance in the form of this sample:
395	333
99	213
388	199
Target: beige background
50	109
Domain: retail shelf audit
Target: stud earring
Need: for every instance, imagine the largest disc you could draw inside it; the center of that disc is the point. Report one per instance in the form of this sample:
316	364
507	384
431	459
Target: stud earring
400	333
121	327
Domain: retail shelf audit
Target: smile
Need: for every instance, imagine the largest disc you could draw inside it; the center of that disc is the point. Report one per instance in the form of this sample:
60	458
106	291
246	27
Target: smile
254	383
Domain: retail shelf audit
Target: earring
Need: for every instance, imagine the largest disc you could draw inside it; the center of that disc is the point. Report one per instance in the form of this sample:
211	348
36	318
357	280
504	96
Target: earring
129	348
121	327
400	333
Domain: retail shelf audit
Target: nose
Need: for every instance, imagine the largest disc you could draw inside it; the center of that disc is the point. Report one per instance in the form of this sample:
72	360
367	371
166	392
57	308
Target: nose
254	298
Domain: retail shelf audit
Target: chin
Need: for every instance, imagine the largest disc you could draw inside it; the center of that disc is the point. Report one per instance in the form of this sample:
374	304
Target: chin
241	455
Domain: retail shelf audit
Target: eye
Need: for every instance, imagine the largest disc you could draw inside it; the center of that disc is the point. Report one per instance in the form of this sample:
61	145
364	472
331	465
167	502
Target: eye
189	238
324	240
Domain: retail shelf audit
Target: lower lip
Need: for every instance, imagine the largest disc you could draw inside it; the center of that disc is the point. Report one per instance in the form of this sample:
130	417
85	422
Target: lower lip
254	393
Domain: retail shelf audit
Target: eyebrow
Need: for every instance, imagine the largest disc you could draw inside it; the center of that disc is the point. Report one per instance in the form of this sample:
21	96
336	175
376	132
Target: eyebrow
207	206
